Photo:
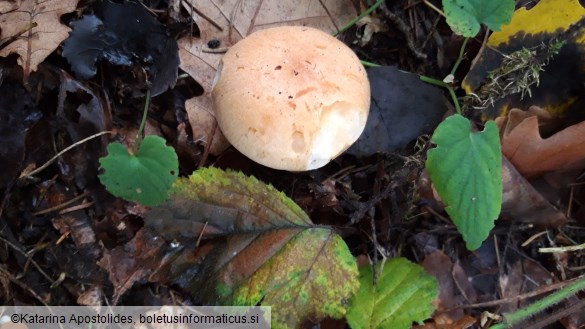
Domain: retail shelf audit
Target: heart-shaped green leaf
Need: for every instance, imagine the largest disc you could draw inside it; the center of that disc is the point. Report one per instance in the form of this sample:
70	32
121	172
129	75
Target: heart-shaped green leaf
145	178
465	16
403	294
466	170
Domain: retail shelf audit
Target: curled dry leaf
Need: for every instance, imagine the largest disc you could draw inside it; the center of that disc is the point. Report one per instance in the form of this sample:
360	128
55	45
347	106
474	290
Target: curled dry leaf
232	20
36	27
522	202
132	262
533	155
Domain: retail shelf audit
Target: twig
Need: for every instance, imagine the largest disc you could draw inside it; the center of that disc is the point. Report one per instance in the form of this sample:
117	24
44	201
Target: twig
433	7
65	150
13	38
29	257
407	31
562	249
21	284
60	206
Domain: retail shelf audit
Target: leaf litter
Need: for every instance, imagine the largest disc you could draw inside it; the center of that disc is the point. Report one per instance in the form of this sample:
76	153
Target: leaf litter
370	199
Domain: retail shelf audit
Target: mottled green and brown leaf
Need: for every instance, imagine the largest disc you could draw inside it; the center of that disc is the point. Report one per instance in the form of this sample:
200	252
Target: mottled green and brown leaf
258	247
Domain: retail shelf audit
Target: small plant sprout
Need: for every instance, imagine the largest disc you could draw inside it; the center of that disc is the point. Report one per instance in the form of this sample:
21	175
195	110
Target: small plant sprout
144	174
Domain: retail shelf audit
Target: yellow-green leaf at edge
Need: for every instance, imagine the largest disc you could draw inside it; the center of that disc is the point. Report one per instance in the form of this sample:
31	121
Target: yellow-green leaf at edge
466	170
262	248
403	294
556	90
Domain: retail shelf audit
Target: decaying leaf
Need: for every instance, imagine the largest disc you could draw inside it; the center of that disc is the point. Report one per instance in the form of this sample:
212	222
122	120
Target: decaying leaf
109	34
522	202
132	262
228	22
402	108
18	113
451	288
258	247
204	125
555	79
533	155
38	27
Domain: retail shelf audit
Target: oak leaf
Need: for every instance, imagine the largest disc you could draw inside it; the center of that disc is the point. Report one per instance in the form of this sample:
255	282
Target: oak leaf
533	155
36	28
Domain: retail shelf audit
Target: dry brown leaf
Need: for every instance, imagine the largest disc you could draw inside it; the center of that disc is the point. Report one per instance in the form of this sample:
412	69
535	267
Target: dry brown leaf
230	21
38	27
132	262
522	202
8	5
533	155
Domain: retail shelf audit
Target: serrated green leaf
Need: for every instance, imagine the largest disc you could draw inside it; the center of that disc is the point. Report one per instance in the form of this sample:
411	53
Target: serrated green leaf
258	247
145	178
465	16
466	170
404	294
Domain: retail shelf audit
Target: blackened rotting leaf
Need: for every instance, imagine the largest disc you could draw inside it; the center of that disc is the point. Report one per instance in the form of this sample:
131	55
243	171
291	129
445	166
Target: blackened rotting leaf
402	108
123	34
17	113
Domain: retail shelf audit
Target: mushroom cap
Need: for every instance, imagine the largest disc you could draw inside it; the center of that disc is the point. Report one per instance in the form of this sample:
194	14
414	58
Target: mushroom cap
291	97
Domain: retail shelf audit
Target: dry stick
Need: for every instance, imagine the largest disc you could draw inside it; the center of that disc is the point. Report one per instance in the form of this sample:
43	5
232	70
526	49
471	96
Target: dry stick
32	261
205	17
542	290
48	163
13	38
60	206
22	285
406	30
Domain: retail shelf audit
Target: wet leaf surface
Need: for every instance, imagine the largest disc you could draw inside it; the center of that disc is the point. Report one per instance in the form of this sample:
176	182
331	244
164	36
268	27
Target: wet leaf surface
17	114
110	35
402	108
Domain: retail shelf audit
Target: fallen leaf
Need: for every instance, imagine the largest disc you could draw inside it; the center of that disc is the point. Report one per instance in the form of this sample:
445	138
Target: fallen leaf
441	267
522	202
557	90
131	262
9	5
533	155
204	125
258	247
39	28
108	34
230	21
402	108
18	113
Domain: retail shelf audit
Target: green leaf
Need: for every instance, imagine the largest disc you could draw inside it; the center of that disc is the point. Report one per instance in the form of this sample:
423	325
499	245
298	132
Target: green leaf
465	16
466	170
403	294
145	178
258	247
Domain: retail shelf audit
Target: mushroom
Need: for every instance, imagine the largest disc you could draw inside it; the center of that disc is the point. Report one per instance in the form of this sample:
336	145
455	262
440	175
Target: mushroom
291	97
